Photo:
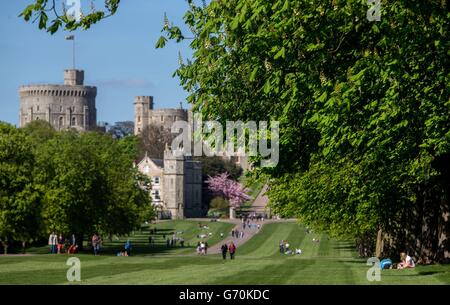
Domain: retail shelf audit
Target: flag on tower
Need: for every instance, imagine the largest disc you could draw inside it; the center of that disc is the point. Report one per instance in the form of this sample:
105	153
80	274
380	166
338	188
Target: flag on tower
70	37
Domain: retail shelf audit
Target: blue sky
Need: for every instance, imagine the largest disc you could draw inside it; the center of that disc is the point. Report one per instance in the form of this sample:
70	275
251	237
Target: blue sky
118	56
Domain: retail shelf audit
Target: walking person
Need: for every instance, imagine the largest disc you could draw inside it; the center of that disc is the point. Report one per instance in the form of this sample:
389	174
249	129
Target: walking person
232	250
224	250
282	246
60	243
206	247
72	245
95	243
52	242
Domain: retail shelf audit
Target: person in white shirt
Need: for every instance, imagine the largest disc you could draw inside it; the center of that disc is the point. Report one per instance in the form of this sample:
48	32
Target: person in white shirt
52	242
406	261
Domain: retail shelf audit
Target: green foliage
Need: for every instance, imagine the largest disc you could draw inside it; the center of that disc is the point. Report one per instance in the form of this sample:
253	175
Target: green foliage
90	185
363	106
39	131
219	203
213	166
41	9
68	182
19	198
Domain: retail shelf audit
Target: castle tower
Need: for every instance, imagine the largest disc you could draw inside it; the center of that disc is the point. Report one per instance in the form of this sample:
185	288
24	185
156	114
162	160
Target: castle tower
174	178
145	115
73	77
142	107
71	105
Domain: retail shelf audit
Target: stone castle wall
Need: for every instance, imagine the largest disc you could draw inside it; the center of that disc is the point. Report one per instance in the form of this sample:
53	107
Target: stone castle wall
71	105
145	114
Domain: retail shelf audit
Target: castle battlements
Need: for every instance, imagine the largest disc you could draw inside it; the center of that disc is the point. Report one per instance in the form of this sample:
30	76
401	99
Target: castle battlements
145	114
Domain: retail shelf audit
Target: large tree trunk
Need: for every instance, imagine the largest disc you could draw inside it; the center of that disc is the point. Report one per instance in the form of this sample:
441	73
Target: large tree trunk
232	213
379	246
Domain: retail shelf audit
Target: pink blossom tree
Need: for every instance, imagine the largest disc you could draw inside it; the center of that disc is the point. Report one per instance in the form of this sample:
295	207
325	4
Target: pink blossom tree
221	185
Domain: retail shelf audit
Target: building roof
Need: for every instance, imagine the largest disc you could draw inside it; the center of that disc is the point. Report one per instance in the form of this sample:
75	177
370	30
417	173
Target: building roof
156	162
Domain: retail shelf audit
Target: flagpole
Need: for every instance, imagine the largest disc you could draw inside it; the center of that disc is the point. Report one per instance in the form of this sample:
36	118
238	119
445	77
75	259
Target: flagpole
73	53
72	37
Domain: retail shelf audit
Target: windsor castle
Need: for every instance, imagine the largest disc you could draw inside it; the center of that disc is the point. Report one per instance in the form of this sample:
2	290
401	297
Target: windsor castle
176	181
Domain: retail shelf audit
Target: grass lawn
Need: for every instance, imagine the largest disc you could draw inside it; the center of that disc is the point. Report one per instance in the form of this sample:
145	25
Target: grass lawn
257	262
186	229
253	187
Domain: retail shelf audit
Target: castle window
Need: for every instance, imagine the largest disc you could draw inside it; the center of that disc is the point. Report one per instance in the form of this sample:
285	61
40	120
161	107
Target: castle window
60	108
156	180
157	195
162	118
139	119
37	107
61	120
37	118
139	130
74	121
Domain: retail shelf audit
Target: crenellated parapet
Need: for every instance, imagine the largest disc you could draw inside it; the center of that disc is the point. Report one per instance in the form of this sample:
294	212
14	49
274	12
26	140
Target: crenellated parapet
57	91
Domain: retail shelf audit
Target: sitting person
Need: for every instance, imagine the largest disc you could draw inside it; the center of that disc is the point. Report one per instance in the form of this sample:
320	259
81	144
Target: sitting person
406	261
298	251
72	249
286	246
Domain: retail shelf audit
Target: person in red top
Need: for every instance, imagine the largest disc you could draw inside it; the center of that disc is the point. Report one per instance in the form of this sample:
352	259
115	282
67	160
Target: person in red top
232	250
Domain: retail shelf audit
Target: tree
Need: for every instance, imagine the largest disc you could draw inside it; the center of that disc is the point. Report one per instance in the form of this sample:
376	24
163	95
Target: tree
362	108
89	185
213	166
19	198
130	146
229	189
64	17
39	132
153	141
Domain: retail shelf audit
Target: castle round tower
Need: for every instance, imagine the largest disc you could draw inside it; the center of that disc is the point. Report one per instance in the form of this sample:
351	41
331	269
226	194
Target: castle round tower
71	105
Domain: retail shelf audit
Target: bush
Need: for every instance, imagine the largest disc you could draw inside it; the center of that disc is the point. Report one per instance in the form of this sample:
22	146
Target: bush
219	203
